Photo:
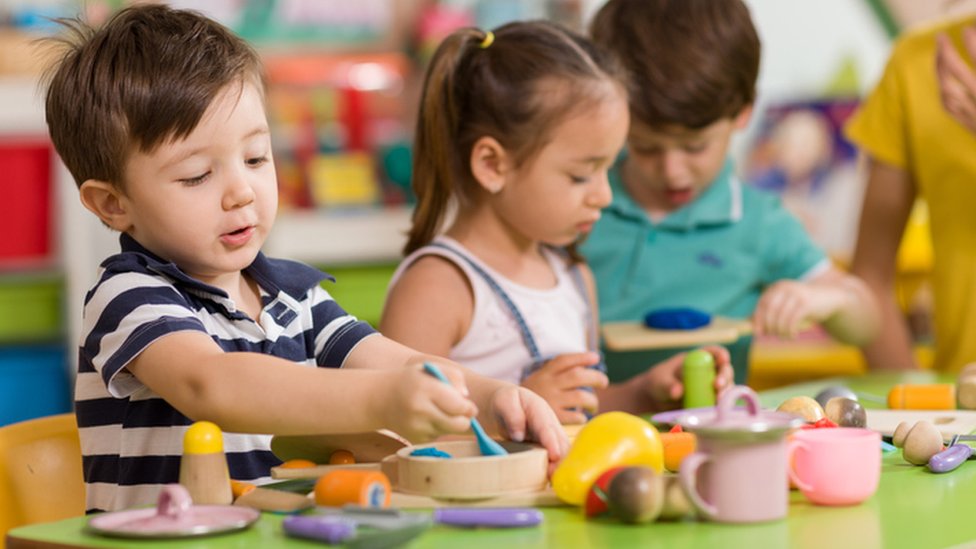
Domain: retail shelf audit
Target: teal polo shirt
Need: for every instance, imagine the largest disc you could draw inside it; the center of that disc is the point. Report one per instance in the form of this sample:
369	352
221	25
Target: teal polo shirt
716	254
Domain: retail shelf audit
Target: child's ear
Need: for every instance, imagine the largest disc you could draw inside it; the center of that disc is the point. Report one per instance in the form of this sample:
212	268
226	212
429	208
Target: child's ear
105	201
490	163
742	119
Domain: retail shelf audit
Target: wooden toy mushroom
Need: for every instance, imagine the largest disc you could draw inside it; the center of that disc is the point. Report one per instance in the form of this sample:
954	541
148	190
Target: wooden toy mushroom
920	443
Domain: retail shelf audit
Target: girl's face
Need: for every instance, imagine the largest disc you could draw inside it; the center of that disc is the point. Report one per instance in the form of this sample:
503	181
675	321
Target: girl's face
207	202
556	196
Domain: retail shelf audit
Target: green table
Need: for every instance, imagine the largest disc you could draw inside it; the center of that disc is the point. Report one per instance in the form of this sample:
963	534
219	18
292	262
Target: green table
912	508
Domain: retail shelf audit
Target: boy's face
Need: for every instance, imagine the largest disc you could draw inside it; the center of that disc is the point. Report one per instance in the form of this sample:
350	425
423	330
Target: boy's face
207	202
556	196
668	168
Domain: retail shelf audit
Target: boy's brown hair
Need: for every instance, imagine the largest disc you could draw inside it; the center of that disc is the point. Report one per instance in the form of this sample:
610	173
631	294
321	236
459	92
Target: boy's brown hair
144	78
691	62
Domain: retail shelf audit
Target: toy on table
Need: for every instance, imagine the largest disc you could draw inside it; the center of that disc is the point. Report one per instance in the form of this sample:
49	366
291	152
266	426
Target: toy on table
956	452
835	466
698	376
466	517
680	318
966	387
342	457
353	486
369	447
743	451
174	516
265	499
358	527
489	446
919	442
635	497
468	474
677	445
608	440
933	396
803	407
639	336
203	467
846	412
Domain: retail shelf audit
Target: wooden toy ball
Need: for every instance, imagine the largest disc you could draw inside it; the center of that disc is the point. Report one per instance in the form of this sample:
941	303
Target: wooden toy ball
636	495
846	412
834	391
803	406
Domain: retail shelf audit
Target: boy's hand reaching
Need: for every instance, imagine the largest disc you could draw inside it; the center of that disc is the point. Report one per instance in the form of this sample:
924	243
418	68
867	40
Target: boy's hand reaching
559	382
525	416
789	306
419	407
663	382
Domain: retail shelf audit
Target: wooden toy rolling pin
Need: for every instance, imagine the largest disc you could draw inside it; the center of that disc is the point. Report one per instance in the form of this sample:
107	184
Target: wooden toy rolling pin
934	396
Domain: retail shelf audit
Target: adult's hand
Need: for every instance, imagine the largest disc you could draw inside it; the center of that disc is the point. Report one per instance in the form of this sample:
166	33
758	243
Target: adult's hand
957	80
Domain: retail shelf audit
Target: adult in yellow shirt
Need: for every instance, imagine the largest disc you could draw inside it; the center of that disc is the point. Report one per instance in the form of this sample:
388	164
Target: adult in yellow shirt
915	149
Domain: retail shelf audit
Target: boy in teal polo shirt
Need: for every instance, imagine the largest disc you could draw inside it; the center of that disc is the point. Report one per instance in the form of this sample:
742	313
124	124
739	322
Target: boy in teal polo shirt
683	230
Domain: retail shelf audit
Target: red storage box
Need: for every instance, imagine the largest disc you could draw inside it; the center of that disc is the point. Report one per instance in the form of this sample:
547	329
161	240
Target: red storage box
25	210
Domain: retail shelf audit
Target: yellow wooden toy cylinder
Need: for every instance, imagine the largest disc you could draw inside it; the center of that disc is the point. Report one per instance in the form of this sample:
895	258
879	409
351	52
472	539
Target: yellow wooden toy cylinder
934	396
353	486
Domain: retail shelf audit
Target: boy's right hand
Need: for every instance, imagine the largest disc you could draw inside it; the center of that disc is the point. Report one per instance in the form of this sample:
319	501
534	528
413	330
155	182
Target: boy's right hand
419	407
559	382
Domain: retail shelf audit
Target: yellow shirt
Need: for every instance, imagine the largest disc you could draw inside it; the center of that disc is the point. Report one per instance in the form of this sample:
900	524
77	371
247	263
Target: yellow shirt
903	123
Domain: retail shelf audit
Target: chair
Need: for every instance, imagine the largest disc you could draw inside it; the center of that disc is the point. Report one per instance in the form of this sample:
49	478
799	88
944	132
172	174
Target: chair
40	472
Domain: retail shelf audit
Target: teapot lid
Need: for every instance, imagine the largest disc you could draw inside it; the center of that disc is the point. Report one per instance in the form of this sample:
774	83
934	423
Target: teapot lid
727	421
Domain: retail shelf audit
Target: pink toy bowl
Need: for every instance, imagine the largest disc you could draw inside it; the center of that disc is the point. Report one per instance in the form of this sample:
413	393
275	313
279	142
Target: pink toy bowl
835	466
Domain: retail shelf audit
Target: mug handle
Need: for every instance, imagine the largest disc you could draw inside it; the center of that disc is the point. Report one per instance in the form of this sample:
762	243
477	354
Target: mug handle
688	474
791	447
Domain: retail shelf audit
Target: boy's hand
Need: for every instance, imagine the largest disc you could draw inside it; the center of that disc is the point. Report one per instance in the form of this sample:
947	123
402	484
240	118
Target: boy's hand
419	407
663	382
525	416
559	380
789	306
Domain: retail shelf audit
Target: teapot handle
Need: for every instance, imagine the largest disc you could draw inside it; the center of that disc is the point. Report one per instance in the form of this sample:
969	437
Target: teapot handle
728	399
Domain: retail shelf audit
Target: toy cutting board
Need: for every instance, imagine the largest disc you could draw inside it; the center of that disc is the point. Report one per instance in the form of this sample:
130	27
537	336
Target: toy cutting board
365	447
948	422
635	336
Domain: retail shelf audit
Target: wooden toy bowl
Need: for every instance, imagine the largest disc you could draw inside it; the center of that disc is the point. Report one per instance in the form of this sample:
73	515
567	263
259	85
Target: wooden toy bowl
470	475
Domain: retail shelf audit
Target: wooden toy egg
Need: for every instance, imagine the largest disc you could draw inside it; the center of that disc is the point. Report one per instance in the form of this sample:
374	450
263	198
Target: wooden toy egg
846	412
921	443
677	506
901	431
834	391
636	494
803	406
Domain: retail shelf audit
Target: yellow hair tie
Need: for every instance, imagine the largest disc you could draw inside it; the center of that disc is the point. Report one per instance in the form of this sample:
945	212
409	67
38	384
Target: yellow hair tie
488	40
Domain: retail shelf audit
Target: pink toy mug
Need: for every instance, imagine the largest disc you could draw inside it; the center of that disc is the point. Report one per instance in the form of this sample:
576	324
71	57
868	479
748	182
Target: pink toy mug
738	474
835	466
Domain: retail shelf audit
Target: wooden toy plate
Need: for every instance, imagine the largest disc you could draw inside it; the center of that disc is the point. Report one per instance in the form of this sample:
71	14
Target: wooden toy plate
369	447
635	336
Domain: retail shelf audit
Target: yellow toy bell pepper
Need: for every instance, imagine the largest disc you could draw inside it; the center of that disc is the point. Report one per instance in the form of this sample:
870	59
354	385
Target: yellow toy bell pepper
609	440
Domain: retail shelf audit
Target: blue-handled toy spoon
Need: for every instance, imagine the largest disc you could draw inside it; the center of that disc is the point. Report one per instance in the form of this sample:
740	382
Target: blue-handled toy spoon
486	444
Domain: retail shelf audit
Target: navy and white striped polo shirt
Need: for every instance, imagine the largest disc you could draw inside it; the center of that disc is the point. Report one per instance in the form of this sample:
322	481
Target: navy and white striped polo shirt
131	439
